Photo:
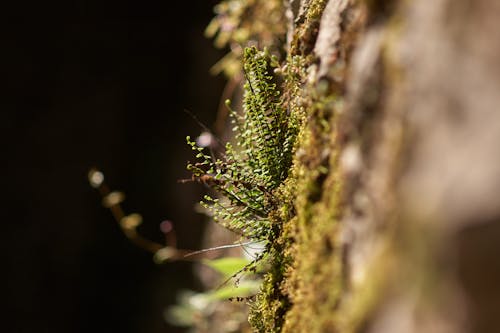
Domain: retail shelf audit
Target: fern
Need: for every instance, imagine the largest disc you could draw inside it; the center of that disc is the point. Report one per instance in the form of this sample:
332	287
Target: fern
258	160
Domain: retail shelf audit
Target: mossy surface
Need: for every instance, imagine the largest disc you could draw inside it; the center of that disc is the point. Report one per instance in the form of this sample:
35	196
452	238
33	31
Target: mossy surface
304	293
307	27
306	281
343	253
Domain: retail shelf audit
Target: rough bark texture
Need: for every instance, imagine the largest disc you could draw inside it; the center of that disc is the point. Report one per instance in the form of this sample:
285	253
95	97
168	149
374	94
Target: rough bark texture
397	170
419	161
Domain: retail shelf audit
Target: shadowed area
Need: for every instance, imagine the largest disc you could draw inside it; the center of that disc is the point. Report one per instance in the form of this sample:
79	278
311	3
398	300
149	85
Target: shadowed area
99	86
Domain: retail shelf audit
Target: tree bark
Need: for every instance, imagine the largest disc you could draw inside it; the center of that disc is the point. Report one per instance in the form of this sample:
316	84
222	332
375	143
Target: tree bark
418	140
396	221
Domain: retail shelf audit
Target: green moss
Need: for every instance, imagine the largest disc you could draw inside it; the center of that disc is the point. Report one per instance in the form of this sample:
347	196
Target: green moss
307	27
267	312
314	281
306	253
281	179
306	256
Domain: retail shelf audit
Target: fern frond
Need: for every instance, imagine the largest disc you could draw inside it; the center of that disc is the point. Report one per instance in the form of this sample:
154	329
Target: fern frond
258	159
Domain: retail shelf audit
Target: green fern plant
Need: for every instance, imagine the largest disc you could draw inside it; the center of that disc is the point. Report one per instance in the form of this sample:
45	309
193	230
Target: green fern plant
258	159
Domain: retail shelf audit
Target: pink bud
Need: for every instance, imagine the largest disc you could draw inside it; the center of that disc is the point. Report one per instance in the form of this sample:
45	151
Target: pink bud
166	226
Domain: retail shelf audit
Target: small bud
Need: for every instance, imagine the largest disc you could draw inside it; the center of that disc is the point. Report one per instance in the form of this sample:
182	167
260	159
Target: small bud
206	139
131	221
164	254
166	226
112	199
95	178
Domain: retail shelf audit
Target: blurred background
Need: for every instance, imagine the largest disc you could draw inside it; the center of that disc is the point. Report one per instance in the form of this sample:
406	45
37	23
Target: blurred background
99	84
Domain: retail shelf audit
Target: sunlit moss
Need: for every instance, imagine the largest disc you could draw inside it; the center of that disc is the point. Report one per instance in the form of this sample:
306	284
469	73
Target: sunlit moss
292	168
307	27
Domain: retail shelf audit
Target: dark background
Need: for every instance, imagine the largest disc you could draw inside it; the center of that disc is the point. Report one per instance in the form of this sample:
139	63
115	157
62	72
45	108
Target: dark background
99	84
